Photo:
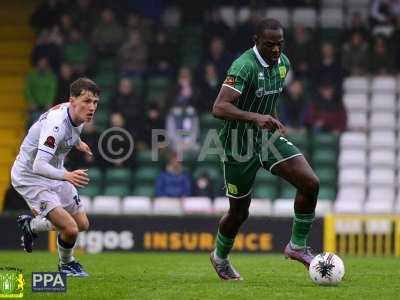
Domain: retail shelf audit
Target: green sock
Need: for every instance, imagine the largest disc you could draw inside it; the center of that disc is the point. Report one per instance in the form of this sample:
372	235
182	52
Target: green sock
223	245
301	228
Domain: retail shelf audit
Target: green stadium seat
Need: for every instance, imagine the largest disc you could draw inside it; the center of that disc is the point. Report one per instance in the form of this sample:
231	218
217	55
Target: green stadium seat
118	175
143	190
138	85
95	175
301	140
287	190
265	191
326	175
208	121
101	118
106	79
120	190
214	172
324	157
158	83
91	190
103	65
327	192
146	174
325	140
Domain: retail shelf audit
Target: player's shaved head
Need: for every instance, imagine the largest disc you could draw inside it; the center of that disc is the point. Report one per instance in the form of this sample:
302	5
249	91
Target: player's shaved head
83	84
270	24
269	39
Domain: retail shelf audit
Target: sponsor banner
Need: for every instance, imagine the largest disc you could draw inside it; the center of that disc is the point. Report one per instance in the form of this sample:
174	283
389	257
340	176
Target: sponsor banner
171	233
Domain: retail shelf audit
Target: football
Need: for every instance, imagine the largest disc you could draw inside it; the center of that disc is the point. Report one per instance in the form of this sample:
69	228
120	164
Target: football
326	269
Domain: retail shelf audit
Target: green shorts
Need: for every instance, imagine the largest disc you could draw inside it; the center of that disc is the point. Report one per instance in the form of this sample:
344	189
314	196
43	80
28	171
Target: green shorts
239	176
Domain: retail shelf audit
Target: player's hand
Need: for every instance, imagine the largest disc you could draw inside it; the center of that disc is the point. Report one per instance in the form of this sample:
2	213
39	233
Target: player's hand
82	146
79	178
269	122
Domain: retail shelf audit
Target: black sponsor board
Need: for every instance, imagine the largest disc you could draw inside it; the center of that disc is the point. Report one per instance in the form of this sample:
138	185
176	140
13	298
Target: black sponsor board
171	233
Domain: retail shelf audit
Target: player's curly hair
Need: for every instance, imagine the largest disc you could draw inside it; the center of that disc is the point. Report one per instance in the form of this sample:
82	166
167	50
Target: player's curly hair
83	84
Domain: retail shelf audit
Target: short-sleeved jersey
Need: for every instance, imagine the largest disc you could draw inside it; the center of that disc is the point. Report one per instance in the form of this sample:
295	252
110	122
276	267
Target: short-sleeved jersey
53	133
260	86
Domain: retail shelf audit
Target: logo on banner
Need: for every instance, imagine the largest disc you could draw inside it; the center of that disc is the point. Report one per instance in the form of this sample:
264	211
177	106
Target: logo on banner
49	282
11	283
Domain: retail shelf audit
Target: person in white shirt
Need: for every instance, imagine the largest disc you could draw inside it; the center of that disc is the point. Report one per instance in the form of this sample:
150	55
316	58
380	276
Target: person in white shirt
38	174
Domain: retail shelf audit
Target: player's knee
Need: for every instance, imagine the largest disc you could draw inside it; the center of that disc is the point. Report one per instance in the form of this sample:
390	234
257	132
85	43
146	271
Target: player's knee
311	186
84	226
71	231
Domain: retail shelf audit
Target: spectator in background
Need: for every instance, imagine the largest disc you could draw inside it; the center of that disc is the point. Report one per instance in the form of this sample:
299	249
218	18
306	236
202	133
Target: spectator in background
299	49
40	87
107	35
162	54
355	55
76	51
209	88
219	57
47	47
173	182
395	42
328	69
46	15
357	25
215	27
327	113
153	119
65	24
203	186
184	92
183	127
245	32
138	23
293	107
382	62
65	78
84	14
133	55
128	104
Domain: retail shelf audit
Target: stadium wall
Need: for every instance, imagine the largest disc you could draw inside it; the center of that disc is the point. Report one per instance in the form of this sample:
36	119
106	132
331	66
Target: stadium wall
169	233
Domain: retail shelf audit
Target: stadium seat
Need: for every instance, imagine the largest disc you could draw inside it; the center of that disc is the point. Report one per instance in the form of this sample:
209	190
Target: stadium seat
115	189
381	176
324	157
95	175
351	193
87	203
352	176
382	139
383	120
228	15
305	16
332	3
381	193
378	207
378	226
349	157
221	205
167	206
356	102
348	207
265	191
197	205
91	190
133	205
357	120
118	175
299	139
353	140
287	191
265	177
327	192
108	205
323	208
383	102
379	158
332	18
279	13
144	158
214	172
208	121
356	84
325	140
383	84
146	190
146	174
260	207
326	175
283	207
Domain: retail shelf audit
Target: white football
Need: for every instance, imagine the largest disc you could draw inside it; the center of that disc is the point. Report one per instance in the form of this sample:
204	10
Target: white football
326	269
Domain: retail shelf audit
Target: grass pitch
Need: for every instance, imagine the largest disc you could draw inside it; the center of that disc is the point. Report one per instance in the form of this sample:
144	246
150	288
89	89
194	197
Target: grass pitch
190	276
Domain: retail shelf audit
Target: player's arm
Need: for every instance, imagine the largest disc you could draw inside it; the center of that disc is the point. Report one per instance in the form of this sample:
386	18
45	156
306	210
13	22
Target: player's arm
225	108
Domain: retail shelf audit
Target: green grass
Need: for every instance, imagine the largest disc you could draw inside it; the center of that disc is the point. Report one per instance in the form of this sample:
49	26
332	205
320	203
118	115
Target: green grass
190	276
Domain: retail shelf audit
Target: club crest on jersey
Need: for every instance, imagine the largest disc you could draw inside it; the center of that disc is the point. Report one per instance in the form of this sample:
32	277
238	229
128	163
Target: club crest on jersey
43	205
282	71
230	80
261	76
50	142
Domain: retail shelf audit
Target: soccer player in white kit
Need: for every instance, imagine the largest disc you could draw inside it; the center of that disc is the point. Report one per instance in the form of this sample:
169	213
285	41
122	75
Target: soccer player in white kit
38	174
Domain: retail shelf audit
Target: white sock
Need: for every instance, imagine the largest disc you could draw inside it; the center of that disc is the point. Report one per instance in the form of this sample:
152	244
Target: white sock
65	253
40	224
218	259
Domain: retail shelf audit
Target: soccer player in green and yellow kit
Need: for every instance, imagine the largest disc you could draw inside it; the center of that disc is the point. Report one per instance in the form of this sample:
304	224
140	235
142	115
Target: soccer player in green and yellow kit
247	102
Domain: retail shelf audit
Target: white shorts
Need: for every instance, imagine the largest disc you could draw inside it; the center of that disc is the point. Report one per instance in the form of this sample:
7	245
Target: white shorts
44	194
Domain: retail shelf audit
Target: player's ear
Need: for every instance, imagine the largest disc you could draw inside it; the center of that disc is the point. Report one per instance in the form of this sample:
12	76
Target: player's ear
255	38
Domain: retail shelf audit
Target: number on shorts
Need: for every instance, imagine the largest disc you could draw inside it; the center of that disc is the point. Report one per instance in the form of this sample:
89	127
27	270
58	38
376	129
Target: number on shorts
77	200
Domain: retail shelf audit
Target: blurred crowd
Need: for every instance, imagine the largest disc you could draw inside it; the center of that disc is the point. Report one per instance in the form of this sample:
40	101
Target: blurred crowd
160	65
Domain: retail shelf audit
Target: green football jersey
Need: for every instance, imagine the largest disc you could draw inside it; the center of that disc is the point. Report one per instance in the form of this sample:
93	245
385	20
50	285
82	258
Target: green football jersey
260	86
